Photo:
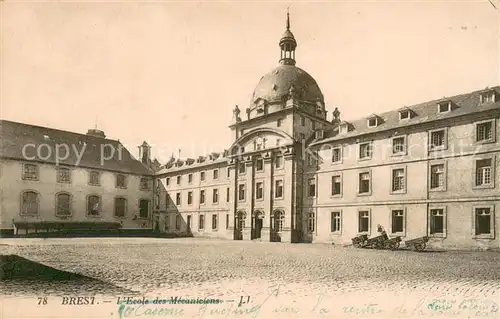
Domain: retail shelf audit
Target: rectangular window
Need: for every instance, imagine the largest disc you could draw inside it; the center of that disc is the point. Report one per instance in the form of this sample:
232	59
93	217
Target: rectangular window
259	164
214	221
444	107
167	181
278	190
121	181
487	97
202	196
484	172
241	192
242	168
336	185
216	174
484	131
201	224
311	189
178	180
399	145
365	151
177	198
259	190
30	171
372	122
278	142
484	222
437	222
94	178
190	198
190	178
397	222
215	196
404	115
437	139
302	121
311	223
228	192
278	161
363	221
202	176
227	221
398	180
29	203
63	175
336	222
279	122
364	183
228	172
336	155
63	205
144	184
93	205
437	176
143	208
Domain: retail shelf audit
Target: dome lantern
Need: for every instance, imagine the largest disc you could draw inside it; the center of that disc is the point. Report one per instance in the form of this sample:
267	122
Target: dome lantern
288	45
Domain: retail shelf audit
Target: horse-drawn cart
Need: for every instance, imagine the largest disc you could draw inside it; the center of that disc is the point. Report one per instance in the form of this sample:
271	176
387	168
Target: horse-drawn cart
379	242
417	244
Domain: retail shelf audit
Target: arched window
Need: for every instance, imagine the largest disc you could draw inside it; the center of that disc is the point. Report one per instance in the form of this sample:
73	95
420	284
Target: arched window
120	207
29	203
279	220
63	204
93	205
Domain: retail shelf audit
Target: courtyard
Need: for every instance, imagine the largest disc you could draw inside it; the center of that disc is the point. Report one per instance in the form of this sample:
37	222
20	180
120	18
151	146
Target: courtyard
286	280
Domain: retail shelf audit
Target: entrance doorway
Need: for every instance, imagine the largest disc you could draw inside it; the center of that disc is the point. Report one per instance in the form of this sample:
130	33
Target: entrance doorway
239	225
257	222
277	223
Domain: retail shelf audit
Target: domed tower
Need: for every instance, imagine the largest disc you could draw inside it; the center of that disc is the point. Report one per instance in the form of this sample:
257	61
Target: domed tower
288	45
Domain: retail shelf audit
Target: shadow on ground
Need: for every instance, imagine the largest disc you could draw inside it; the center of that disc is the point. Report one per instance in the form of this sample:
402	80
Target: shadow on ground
21	276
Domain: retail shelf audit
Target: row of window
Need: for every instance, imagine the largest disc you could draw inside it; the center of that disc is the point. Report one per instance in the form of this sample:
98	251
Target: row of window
242	166
482	222
30	205
438	140
484	177
30	172
242	190
201	222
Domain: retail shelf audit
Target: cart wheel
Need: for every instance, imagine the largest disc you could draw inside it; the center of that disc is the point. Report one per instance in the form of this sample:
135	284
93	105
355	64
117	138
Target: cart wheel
357	244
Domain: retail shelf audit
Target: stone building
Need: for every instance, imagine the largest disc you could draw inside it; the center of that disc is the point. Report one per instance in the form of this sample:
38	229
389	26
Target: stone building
292	175
58	180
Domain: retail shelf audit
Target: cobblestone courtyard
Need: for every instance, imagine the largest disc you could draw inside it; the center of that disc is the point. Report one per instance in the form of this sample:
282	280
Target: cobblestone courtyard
227	269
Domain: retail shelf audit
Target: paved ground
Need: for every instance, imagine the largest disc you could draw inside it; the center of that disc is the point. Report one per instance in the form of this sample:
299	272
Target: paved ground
347	277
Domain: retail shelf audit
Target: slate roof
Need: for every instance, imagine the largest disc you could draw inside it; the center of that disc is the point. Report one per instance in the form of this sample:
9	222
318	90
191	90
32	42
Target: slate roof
14	136
463	104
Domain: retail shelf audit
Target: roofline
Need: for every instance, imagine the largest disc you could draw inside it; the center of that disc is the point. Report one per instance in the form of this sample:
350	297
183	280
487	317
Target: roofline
292	109
332	139
150	173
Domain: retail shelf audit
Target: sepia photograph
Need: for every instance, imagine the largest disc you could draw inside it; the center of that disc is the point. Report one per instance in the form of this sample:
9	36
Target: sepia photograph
249	159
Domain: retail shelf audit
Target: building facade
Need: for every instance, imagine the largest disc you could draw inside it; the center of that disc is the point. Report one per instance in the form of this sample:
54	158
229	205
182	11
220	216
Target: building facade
292	175
57	180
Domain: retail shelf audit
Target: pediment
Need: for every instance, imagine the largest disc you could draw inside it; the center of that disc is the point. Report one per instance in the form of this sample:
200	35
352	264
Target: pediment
261	139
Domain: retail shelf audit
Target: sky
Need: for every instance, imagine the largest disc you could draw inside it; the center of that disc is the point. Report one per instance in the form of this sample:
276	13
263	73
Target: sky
170	73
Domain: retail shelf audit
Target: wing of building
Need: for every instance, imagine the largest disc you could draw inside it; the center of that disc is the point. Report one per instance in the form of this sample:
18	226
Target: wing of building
292	175
59	180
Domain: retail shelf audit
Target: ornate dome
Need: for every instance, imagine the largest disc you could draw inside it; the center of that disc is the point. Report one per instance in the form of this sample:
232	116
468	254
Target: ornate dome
276	84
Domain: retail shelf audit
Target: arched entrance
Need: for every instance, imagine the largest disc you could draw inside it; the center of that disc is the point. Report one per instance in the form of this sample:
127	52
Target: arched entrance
257	223
239	225
277	223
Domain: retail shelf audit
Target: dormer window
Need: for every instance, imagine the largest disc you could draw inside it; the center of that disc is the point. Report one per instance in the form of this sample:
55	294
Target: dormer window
444	107
319	134
404	114
487	97
343	128
372	122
